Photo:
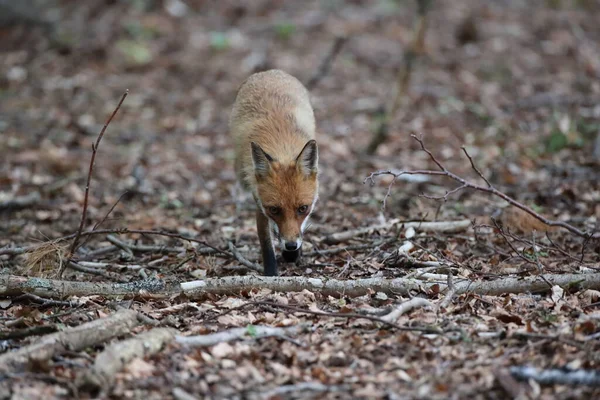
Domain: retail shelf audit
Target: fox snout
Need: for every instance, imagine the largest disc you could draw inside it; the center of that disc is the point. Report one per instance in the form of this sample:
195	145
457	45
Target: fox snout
291	245
289	239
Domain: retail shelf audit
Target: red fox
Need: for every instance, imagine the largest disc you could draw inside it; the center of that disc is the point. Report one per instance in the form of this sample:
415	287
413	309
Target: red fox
276	158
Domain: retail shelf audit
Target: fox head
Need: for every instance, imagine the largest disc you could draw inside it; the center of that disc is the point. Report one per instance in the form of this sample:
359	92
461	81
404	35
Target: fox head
287	192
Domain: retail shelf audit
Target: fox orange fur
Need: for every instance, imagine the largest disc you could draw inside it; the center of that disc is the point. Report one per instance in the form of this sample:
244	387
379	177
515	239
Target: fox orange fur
276	158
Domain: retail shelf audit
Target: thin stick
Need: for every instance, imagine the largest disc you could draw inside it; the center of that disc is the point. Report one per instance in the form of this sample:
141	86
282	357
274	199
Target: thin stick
451	293
105	216
238	256
251	332
373	318
121	231
87	185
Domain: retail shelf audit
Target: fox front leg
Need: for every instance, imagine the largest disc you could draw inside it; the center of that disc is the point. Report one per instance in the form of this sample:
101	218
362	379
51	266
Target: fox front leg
266	245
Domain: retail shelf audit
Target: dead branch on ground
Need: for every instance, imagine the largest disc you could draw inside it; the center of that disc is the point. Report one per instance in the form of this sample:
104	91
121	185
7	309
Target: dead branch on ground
449	296
557	376
435	226
374	318
29	331
405	307
19	202
71	339
238	256
398	286
464	184
297	388
336	250
159	248
98	272
87	185
116	356
207	249
250	332
45	302
16	285
11	285
180	394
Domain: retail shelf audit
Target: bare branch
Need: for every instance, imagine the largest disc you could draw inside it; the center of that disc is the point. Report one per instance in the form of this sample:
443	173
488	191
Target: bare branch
89	180
557	376
430	226
464	149
18	202
116	356
11	285
73	339
487	189
250	332
451	293
405	307
238	256
386	322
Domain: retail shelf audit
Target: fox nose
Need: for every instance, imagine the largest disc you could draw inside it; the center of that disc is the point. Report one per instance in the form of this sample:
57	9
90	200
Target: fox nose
291	246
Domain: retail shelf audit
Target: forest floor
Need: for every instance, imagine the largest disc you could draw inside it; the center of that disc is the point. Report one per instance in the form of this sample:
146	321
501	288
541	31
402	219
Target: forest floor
516	83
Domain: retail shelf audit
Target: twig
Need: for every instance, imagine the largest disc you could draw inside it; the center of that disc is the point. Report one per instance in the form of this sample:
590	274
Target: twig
561	250
487	189
250	332
180	394
337	250
94	271
238	256
116	356
121	231
11	285
29	331
325	65
557	376
464	149
94	265
43	301
435	226
110	210
509	243
73	339
347	316
451	293
405	307
313	387
98	252
148	248
585	243
87	185
27	200
174	308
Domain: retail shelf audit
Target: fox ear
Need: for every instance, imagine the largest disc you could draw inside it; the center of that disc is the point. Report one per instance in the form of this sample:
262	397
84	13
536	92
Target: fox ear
308	158
261	160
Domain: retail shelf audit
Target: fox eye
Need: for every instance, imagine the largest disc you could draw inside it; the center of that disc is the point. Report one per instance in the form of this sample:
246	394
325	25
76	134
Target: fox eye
302	209
274	210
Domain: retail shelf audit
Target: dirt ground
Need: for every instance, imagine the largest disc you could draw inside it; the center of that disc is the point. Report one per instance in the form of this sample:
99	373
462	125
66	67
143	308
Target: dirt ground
516	82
